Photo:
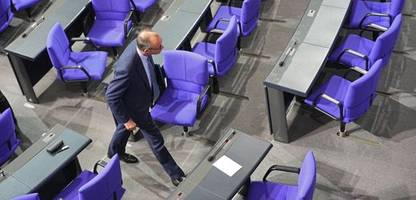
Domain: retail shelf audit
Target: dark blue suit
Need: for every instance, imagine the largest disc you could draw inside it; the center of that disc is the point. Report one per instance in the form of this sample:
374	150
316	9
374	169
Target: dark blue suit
129	96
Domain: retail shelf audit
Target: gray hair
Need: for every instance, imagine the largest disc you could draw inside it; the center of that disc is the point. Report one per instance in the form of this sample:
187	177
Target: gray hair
143	38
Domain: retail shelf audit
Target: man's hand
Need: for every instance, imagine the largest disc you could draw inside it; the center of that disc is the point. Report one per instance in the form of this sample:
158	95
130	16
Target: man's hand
130	125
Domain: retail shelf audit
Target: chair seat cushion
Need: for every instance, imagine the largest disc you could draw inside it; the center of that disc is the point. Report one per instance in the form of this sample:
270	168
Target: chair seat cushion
336	87
223	12
23	4
356	43
143	5
173	108
271	191
93	61
6	152
71	191
207	50
361	8
107	33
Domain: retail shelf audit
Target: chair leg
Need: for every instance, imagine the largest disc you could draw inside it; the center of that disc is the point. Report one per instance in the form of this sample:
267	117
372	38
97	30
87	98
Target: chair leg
29	16
342	132
84	88
215	85
115	53
186	132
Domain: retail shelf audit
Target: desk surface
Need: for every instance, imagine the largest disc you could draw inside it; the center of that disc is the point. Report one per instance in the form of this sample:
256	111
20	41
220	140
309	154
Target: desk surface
62	11
309	47
34	166
207	182
178	21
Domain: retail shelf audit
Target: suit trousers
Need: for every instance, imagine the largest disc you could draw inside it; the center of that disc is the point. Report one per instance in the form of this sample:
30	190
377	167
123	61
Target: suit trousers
153	137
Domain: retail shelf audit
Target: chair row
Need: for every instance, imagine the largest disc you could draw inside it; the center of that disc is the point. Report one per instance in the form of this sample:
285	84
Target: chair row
346	100
108	14
107	184
178	105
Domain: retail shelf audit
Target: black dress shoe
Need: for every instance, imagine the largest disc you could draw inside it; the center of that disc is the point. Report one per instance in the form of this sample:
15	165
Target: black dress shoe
176	181
128	158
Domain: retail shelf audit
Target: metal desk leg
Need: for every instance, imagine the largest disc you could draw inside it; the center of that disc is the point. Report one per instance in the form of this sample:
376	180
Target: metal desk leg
277	114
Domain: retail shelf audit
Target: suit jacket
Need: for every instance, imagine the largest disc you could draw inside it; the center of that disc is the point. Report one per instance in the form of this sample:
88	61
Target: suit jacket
129	94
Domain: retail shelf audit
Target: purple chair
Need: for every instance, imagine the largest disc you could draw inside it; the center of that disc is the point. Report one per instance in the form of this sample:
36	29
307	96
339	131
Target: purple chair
187	90
33	196
223	54
373	15
24	4
142	5
74	66
106	185
6	14
247	16
112	23
265	190
344	100
8	140
361	53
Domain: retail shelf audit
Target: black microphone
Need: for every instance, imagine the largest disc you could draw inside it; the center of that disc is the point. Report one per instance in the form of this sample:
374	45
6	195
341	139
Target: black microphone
212	157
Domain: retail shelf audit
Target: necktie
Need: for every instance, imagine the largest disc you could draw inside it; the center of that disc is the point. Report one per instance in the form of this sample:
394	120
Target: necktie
154	84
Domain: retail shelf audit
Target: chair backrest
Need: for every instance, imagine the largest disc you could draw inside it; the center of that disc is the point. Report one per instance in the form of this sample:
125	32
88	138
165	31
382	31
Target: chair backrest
396	7
186	71
32	196
226	48
361	92
384	43
107	185
57	46
5	14
111	9
307	177
250	13
8	140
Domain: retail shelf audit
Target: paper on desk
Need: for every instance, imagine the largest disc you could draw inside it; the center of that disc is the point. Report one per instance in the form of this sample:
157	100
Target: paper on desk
226	165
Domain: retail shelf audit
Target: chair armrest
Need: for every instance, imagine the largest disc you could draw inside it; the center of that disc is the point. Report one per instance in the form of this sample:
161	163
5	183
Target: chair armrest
79	67
200	97
81	39
377	27
374	14
126	22
359	70
134	5
101	163
221	20
334	101
281	168
218	31
213	65
354	53
329	98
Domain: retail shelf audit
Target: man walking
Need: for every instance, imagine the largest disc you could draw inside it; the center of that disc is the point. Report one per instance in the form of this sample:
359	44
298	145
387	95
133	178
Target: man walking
130	95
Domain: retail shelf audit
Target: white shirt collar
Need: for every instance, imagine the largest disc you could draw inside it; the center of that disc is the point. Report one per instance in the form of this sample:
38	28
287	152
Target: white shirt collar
143	57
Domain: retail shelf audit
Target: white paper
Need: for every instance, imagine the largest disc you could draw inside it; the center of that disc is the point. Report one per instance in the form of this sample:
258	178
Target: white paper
226	165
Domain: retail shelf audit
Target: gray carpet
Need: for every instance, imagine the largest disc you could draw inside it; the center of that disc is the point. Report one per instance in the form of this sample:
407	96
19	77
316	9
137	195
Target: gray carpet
376	161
